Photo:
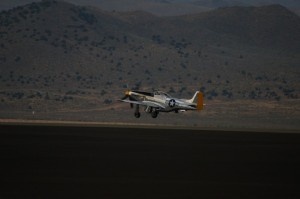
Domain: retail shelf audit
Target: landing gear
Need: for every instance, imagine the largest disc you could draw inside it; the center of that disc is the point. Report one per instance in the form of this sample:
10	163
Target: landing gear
154	114
137	113
148	109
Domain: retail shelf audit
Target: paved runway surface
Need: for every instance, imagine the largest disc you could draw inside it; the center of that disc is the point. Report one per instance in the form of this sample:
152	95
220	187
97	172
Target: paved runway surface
102	162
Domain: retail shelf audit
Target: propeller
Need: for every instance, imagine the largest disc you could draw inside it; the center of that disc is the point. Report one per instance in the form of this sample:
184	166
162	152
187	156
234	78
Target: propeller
126	92
127	95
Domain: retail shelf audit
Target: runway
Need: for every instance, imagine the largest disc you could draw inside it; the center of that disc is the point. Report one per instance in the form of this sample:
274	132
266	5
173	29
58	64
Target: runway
40	161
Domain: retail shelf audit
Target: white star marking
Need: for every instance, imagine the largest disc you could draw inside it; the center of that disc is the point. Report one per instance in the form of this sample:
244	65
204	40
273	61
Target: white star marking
172	103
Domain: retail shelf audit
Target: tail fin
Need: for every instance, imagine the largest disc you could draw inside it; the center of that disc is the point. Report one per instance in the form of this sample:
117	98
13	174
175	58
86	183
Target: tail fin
197	99
200	104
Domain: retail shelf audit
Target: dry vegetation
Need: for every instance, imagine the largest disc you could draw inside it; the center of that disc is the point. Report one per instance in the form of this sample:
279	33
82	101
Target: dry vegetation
62	61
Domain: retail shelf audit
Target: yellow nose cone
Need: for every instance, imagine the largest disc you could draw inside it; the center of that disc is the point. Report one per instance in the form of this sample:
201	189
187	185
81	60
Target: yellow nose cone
127	93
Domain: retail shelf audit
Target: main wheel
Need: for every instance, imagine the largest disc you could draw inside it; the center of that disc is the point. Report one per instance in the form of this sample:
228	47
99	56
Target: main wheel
154	114
137	115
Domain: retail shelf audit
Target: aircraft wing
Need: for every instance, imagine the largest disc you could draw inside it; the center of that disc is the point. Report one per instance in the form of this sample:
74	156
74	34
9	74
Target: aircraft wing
145	103
153	104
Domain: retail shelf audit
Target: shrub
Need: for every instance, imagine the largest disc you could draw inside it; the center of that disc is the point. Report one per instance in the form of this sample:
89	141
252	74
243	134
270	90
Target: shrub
18	95
87	17
202	89
103	92
18	58
107	101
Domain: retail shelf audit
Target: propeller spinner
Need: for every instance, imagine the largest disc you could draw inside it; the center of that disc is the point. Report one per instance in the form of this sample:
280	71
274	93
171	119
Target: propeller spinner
127	95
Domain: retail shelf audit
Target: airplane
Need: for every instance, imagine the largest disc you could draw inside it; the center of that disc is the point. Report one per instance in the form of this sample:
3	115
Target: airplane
158	101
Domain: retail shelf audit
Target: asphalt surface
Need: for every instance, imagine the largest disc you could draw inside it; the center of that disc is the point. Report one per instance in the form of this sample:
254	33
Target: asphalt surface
108	162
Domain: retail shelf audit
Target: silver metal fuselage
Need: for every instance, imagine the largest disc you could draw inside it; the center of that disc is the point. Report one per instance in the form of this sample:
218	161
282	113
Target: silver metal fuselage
166	102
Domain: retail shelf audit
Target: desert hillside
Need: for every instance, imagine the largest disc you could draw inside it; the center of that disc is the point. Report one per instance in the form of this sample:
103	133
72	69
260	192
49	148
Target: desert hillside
60	55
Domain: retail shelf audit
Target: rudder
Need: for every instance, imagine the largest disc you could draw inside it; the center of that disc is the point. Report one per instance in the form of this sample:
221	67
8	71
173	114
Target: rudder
200	104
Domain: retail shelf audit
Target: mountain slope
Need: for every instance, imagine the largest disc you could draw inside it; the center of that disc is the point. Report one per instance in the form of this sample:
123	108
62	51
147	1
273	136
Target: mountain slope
163	7
266	26
63	55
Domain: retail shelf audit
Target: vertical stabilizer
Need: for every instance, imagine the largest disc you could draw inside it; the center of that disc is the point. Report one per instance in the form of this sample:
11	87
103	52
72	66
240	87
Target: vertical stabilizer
198	100
200	104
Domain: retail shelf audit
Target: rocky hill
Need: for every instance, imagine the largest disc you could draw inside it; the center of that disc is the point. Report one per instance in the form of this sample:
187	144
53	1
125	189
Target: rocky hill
64	56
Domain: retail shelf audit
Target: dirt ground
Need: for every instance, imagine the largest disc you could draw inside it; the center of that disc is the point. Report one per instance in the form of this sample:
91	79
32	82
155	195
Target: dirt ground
245	115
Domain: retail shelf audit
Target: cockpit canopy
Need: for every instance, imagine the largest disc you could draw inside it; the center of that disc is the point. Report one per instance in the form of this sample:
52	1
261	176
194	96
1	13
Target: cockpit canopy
155	93
160	93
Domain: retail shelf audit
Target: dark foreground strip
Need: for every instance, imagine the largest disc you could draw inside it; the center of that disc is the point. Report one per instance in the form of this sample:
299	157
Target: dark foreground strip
95	162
